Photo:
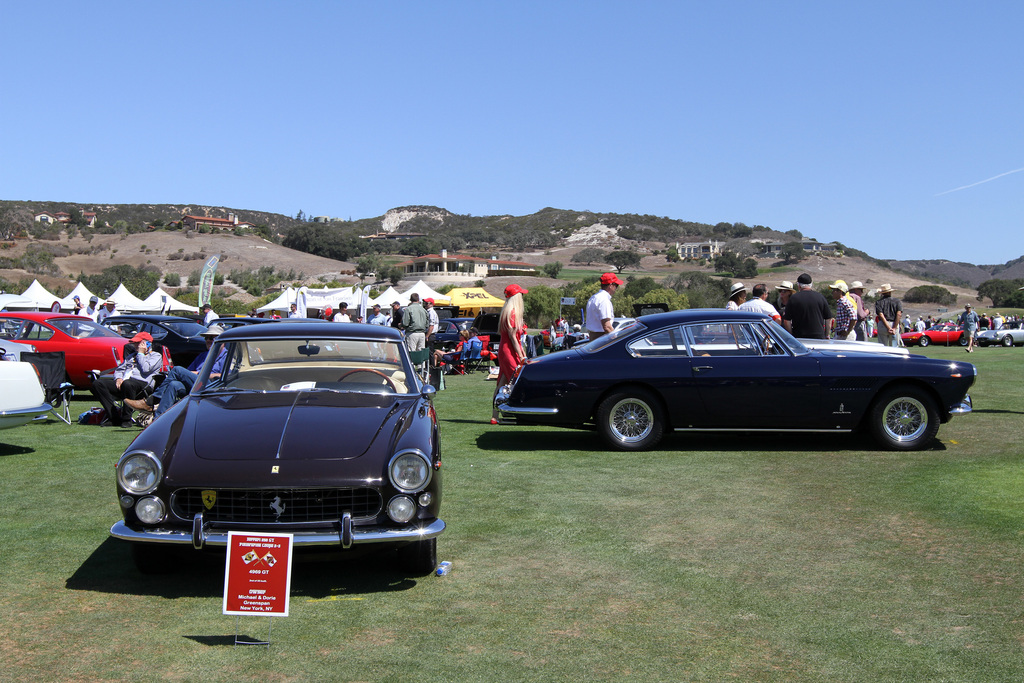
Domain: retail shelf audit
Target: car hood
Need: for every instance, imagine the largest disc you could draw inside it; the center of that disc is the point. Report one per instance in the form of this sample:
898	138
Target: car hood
321	425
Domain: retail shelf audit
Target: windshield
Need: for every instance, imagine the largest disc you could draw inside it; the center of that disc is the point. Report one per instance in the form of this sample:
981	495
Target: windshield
186	328
342	365
610	338
81	328
789	340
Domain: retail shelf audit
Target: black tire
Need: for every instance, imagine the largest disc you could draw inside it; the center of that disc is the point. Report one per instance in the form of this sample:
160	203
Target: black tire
1006	341
964	339
631	420
419	558
904	418
924	341
152	558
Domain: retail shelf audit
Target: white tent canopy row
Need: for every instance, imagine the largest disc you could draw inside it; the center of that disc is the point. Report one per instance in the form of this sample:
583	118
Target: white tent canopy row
39	298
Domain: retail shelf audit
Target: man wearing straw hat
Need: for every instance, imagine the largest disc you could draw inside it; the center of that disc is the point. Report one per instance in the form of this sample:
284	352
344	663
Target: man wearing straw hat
888	312
861	328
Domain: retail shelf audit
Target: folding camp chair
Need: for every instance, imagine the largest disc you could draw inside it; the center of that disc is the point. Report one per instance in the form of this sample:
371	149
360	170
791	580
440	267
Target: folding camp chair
471	358
420	362
53	377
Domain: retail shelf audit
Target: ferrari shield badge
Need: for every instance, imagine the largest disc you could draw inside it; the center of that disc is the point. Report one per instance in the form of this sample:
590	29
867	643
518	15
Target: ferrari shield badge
209	498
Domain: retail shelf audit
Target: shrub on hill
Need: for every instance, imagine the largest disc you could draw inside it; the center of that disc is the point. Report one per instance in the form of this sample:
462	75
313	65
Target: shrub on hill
930	294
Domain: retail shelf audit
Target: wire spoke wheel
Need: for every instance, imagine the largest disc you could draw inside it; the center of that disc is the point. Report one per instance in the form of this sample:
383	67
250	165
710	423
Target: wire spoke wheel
632	420
905	419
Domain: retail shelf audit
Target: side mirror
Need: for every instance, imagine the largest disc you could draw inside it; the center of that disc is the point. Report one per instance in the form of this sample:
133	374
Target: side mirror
428	391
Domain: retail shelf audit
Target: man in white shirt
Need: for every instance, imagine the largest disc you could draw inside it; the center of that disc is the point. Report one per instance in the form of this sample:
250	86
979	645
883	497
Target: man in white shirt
208	315
599	307
759	304
342	315
93	309
433	321
106	311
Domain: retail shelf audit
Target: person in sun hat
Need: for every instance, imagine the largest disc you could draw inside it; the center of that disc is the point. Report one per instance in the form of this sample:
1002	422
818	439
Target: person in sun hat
737	295
970	321
600	310
511	353
107	311
808	315
888	311
846	311
857	294
785	291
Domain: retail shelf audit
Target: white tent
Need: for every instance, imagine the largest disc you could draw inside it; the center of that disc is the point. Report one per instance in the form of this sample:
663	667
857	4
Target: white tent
425	292
322	298
126	302
83	294
16	301
41	298
386	298
281	303
168	304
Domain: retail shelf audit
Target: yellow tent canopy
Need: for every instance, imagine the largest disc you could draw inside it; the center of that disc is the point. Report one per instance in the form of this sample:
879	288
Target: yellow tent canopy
472	299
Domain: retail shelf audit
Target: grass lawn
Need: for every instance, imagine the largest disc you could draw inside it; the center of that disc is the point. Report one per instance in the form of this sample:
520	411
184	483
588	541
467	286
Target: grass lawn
763	558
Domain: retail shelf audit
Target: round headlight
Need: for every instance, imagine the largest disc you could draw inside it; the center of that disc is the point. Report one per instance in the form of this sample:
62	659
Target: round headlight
401	509
149	510
138	472
409	471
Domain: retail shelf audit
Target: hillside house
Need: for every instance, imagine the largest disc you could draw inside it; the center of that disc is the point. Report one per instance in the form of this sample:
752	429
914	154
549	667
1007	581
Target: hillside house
809	245
699	250
442	268
193	222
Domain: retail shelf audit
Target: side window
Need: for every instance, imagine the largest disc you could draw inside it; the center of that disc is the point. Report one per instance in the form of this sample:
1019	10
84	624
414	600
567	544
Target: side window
155	330
723	339
36	332
666	342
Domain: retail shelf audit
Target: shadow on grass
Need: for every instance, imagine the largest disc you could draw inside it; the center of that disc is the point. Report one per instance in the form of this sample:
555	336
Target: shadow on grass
319	574
998	412
583	442
10	449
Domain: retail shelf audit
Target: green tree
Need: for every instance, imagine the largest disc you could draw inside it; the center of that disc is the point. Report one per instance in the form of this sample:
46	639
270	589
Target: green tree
172	279
588	256
621	259
792	252
552	269
540	307
930	294
369	263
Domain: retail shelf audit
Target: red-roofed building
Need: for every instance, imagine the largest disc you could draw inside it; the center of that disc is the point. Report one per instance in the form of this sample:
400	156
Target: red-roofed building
193	222
444	268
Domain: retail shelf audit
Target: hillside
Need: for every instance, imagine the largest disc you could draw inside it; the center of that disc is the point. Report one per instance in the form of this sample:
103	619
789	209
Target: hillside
123	238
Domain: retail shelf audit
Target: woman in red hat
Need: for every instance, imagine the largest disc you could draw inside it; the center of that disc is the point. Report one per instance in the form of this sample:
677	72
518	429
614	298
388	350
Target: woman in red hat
510	351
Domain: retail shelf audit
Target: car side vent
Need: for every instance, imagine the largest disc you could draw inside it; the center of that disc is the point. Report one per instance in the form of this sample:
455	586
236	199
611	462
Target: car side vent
854	384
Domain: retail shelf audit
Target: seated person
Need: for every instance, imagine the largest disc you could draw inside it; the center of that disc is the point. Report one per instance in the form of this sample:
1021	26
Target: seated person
179	380
451	357
132	379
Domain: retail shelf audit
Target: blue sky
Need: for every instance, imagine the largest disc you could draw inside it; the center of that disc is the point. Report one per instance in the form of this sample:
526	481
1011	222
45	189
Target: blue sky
893	127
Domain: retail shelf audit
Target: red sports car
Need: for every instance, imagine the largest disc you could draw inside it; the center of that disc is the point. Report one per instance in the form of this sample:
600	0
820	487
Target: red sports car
86	345
945	334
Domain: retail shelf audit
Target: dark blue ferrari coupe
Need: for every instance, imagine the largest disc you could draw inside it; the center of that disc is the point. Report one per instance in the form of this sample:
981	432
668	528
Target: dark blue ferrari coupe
718	370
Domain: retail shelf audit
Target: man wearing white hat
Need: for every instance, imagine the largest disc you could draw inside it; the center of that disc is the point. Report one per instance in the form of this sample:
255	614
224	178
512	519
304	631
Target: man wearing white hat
857	294
888	311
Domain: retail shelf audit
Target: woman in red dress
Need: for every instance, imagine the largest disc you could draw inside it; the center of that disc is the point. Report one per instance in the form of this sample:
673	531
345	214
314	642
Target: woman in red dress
510	351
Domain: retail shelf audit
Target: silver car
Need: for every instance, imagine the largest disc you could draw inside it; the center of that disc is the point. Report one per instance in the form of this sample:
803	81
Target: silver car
1004	336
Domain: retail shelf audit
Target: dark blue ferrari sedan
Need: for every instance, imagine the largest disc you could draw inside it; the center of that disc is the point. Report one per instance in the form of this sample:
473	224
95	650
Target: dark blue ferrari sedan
718	370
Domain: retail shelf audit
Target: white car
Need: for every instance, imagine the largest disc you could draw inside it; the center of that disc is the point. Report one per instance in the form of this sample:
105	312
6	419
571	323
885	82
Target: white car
21	395
843	345
10	350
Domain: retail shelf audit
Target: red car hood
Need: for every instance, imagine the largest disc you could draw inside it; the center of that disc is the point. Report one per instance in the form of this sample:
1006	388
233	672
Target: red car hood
323	425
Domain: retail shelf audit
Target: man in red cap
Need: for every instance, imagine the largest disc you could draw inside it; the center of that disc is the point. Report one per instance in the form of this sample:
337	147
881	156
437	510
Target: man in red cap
133	378
599	308
433	322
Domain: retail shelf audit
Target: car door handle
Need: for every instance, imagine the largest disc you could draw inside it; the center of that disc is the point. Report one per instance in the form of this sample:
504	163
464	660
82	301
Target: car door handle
702	368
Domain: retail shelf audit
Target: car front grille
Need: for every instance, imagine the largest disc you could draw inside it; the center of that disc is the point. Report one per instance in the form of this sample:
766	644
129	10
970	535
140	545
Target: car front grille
275	506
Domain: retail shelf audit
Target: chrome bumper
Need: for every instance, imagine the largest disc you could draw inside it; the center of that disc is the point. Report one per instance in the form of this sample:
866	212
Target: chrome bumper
20	416
343	535
963	408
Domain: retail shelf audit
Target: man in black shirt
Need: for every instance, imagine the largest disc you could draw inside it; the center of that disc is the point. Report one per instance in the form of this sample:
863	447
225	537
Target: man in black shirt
808	315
